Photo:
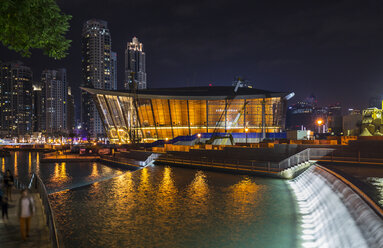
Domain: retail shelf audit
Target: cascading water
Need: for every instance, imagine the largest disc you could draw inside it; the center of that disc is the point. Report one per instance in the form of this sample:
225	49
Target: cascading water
332	214
378	184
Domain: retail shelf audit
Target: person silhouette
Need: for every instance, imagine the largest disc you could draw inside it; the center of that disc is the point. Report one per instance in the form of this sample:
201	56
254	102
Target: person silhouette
8	183
26	210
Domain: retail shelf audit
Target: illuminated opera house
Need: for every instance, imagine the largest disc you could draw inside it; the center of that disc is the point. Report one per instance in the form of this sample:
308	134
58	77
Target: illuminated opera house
163	114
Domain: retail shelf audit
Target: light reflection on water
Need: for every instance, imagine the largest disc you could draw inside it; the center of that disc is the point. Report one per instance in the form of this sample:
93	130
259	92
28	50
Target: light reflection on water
59	177
29	162
175	207
15	165
56	176
162	206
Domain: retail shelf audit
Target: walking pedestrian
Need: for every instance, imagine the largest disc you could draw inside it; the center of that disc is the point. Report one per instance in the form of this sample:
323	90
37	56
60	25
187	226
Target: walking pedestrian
8	183
4	207
1	200
25	212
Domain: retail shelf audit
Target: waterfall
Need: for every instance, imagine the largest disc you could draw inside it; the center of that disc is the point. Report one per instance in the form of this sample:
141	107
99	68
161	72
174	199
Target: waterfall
332	214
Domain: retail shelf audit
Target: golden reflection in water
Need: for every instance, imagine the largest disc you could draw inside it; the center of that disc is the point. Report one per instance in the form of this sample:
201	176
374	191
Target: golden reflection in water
125	183
198	194
59	201
108	170
144	185
37	163
94	173
244	198
124	193
166	204
167	193
16	170
94	189
60	176
29	162
3	164
121	200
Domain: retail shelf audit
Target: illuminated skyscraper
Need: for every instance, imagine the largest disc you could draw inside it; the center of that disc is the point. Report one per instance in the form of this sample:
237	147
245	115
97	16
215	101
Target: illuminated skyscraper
113	71
135	63
38	121
97	71
15	99
70	111
55	89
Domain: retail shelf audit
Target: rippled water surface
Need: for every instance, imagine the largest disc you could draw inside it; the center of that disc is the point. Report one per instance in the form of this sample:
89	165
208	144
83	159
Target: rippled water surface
165	206
56	176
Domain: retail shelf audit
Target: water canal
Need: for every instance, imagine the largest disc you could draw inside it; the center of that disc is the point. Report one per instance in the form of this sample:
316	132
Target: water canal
159	206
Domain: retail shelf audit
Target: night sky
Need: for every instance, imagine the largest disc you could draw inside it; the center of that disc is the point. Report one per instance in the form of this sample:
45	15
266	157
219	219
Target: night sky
330	48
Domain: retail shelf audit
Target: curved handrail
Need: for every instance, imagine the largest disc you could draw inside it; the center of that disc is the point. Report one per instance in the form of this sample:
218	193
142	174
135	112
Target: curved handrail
50	216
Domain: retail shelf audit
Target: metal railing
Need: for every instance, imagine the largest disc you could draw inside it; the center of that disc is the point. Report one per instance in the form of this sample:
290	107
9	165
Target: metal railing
296	159
131	161
304	156
249	165
121	160
49	214
233	164
151	158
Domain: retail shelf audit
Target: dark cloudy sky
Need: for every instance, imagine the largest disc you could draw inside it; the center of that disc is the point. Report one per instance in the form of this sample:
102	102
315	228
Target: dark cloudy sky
333	49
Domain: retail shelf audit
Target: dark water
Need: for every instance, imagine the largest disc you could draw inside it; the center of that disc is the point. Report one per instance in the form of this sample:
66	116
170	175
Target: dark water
164	206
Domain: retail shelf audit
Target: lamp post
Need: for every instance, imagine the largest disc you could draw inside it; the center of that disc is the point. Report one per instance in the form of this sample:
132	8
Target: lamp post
199	137
319	122
246	130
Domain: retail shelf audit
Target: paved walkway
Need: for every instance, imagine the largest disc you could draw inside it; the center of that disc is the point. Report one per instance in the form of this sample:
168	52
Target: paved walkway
10	229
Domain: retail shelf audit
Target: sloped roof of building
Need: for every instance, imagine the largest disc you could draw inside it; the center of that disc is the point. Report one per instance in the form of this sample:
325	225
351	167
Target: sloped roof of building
207	92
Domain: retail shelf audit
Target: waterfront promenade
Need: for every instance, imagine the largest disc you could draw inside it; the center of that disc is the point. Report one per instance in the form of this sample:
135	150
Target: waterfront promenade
10	229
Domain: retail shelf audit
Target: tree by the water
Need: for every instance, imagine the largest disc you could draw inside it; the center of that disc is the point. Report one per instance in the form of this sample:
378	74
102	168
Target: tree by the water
34	24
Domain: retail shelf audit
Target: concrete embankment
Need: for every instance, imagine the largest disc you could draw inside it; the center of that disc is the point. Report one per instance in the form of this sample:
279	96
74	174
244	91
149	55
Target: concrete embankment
280	161
131	160
53	158
121	163
124	164
234	168
335	213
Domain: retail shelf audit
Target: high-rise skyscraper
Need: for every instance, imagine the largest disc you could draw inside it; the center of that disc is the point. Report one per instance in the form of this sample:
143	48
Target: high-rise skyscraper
15	99
135	63
55	88
113	71
38	121
71	111
96	71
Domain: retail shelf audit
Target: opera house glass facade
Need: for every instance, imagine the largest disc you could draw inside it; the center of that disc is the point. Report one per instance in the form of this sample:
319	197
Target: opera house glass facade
153	114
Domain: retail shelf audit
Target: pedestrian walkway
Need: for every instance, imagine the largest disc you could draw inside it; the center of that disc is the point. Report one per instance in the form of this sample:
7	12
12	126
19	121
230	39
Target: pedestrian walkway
10	229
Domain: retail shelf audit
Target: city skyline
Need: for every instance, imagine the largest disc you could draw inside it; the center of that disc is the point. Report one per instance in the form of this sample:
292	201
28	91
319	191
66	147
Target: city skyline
322	47
225	123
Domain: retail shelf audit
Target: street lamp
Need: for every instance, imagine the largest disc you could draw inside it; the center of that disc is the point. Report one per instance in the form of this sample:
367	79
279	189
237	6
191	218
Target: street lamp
319	122
246	130
199	137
